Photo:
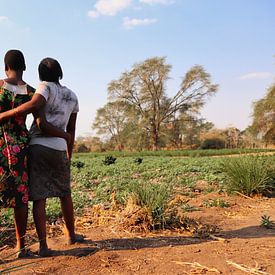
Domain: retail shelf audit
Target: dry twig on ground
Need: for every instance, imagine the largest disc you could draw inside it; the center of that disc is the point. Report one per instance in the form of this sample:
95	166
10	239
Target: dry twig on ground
250	270
198	266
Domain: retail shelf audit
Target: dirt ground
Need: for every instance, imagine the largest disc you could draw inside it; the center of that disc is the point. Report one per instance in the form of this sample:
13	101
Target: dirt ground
240	243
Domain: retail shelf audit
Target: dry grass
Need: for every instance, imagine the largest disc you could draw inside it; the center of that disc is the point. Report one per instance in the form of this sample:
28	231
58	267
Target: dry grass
134	218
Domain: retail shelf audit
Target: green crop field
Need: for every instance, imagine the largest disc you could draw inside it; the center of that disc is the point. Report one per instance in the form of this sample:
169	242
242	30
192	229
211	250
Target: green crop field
94	181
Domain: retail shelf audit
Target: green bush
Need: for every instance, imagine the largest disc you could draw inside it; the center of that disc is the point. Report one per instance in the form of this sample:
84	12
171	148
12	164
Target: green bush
153	197
109	160
81	148
213	143
78	164
138	160
249	175
266	222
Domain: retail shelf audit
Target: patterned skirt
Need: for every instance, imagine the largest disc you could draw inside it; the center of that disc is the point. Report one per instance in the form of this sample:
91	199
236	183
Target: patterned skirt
14	189
49	173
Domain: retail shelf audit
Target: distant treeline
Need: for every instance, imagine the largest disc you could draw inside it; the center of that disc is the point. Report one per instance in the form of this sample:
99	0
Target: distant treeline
139	114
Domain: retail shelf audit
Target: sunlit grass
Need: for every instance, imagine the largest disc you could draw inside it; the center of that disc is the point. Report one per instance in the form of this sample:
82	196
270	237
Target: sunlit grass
249	174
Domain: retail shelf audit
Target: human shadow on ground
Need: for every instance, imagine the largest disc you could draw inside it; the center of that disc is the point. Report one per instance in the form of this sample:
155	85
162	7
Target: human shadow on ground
249	232
135	243
89	247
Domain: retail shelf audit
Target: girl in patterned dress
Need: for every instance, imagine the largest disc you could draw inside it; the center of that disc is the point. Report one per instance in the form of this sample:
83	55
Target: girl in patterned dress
14	141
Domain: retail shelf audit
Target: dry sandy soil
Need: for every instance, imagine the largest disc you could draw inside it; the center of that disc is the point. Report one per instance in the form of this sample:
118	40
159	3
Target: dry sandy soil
241	243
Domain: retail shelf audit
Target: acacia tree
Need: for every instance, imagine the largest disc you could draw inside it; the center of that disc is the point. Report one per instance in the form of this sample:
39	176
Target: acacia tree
185	130
264	116
232	137
111	120
144	87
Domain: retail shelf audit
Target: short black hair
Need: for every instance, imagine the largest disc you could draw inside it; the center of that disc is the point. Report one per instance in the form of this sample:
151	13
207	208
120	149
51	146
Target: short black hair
50	70
14	60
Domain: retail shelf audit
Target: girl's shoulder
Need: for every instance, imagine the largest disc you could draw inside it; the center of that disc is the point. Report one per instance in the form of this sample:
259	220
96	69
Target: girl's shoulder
45	86
48	85
69	91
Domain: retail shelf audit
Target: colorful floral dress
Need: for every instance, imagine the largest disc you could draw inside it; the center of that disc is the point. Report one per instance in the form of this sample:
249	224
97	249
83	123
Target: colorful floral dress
14	140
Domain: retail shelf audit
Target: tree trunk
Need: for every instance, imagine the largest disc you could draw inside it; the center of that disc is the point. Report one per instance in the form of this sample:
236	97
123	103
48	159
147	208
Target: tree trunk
155	137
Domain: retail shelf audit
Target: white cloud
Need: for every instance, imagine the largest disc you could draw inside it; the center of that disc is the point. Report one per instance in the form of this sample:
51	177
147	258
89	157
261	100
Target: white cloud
4	19
152	2
255	75
109	7
131	23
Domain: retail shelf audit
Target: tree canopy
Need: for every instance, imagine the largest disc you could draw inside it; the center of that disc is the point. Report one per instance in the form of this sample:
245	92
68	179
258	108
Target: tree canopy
264	116
144	89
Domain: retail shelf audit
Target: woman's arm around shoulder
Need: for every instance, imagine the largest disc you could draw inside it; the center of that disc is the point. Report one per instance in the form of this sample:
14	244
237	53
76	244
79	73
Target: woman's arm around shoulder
49	129
71	130
37	102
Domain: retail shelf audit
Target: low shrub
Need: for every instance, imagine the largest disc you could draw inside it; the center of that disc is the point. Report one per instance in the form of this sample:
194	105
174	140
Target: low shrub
109	160
213	143
153	197
78	164
267	222
138	160
248	175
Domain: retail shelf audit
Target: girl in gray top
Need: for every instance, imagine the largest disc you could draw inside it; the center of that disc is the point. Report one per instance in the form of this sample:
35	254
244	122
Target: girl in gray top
49	157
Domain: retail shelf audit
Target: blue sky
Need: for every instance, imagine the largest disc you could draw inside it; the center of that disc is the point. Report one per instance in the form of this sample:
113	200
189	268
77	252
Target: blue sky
95	41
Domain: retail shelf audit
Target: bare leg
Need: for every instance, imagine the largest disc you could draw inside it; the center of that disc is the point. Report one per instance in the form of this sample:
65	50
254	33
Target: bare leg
39	216
20	221
68	214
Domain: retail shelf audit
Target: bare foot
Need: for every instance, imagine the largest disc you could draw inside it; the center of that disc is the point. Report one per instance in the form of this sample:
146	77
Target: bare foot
24	253
77	239
45	252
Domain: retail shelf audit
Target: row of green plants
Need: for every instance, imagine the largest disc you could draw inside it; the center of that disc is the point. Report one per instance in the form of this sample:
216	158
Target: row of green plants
173	153
154	180
81	201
